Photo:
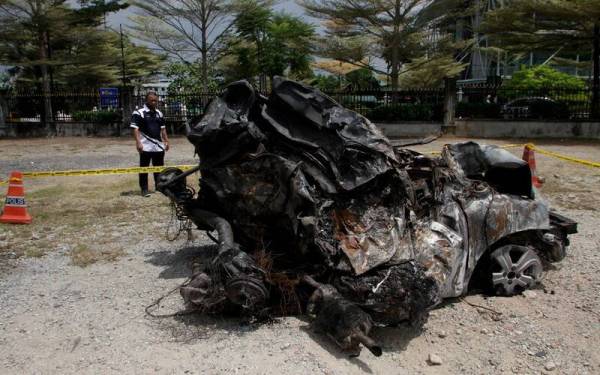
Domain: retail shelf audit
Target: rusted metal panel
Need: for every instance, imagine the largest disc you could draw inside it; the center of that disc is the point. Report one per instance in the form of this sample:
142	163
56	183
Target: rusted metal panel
305	194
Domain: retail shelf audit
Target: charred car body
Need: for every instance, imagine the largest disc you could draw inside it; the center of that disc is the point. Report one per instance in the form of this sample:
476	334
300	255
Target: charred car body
317	213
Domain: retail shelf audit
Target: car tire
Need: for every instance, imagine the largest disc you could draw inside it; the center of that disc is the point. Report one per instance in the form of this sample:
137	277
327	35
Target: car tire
514	268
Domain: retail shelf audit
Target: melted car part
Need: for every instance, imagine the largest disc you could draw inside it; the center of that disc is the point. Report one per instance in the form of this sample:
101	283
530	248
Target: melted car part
300	188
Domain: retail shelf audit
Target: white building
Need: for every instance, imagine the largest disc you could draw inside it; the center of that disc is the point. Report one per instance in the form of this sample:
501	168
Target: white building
160	87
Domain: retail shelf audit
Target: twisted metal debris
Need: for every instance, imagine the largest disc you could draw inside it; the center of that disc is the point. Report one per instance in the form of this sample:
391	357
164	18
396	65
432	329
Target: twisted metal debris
316	213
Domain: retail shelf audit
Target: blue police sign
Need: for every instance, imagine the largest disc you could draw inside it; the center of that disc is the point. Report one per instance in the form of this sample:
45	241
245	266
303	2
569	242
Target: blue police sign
109	97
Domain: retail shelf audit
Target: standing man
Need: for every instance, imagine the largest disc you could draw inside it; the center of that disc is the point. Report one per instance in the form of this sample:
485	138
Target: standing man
150	136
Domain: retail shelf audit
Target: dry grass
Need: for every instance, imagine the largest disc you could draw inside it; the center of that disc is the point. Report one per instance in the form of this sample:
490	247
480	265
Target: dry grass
83	255
67	209
35	252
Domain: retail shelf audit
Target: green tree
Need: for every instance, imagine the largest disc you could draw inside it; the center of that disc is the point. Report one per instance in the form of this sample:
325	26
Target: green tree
77	52
267	44
240	62
25	28
430	72
363	28
361	31
252	20
289	46
361	79
555	26
326	83
190	31
49	43
187	78
543	76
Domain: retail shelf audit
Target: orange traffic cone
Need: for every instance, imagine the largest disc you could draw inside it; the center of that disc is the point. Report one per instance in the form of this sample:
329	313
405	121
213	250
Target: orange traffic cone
529	157
15	209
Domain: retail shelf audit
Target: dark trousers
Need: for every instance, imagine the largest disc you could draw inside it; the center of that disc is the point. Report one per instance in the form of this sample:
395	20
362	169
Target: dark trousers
157	158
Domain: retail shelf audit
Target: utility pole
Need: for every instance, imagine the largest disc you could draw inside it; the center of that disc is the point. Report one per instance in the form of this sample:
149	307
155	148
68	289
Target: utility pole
125	93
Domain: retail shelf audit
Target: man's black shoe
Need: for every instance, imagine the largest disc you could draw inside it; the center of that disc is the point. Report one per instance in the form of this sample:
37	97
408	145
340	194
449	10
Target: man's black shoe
145	193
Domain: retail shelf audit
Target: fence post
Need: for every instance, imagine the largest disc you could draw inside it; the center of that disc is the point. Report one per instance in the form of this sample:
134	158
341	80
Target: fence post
449	102
3	114
127	107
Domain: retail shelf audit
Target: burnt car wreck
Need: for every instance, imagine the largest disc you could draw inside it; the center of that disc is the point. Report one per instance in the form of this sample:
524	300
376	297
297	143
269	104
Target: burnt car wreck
317	213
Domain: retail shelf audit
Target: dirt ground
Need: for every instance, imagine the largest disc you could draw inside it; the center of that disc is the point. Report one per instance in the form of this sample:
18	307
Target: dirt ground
74	286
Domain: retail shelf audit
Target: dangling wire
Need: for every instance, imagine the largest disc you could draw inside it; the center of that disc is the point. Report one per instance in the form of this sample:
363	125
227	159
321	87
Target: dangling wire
179	221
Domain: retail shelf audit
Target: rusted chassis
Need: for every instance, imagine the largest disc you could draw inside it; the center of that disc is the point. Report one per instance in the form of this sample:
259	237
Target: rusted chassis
473	221
490	204
316	212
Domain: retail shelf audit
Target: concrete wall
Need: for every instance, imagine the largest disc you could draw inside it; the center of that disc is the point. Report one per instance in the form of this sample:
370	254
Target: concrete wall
526	129
410	129
67	129
463	128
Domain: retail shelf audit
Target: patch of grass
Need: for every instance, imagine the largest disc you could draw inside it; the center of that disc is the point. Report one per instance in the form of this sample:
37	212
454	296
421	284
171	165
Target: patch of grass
49	192
83	255
64	208
35	251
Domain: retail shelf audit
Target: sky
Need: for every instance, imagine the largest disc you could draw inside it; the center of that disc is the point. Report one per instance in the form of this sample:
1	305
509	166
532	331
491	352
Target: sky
288	6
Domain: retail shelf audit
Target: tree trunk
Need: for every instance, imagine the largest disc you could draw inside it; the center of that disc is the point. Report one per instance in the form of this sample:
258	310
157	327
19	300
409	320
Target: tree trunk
394	76
204	72
204	62
47	117
395	42
596	73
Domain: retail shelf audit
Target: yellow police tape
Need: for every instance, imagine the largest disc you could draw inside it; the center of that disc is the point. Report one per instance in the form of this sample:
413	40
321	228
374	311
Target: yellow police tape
547	153
563	157
98	172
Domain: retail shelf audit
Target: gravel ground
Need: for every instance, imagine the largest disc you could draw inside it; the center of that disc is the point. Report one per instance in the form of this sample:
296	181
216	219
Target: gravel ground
58	317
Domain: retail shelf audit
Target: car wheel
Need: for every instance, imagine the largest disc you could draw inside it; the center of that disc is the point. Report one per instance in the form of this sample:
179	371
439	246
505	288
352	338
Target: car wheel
514	269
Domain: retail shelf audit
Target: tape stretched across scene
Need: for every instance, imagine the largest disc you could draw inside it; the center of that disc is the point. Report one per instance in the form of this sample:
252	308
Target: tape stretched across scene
563	157
100	172
109	171
533	147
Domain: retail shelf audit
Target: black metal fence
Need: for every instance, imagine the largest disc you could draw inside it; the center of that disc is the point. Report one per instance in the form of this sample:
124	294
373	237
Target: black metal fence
481	102
524	104
394	106
180	108
90	106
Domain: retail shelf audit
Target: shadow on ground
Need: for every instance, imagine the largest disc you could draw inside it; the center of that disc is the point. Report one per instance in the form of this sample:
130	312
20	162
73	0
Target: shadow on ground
391	339
177	264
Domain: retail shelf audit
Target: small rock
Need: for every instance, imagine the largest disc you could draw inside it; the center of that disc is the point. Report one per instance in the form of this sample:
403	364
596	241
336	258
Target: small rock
442	334
34	236
484	331
529	294
550	366
434	360
497	317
